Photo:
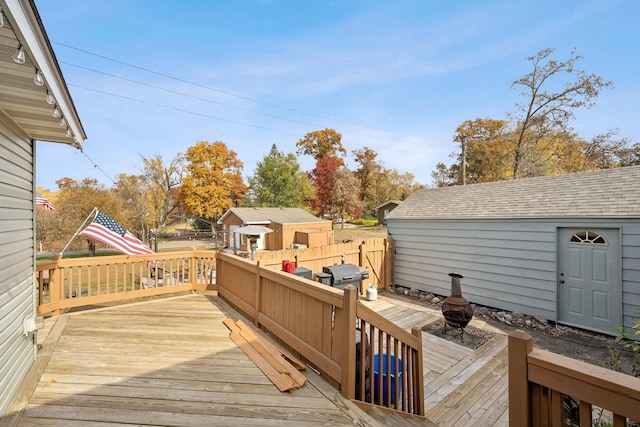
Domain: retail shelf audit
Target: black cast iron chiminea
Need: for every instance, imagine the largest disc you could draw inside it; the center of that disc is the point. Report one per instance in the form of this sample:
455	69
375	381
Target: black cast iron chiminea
456	309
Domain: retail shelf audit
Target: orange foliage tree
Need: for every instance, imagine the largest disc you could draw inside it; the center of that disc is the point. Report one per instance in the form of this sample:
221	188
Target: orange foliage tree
212	182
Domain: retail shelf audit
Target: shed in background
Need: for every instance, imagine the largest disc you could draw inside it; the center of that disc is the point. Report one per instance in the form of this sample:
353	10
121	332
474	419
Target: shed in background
292	227
384	209
563	247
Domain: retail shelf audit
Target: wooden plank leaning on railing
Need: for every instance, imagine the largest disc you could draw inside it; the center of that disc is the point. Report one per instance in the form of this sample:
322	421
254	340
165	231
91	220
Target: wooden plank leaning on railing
320	323
539	381
65	283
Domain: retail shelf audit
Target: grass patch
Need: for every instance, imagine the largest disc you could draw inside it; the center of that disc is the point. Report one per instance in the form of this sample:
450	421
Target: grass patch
359	233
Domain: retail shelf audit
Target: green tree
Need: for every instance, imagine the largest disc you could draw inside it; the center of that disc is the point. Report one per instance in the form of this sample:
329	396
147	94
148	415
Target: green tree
278	181
213	180
543	108
322	143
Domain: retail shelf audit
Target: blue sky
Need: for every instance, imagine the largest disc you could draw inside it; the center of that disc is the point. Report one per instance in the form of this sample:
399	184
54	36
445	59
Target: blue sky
155	77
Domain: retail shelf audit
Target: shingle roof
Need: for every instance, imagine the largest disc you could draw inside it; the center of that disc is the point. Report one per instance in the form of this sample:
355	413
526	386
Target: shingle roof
267	215
604	193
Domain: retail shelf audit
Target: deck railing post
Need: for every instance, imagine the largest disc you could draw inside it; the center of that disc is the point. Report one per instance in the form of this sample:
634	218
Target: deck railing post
520	345
418	381
361	261
258	295
348	343
55	285
193	268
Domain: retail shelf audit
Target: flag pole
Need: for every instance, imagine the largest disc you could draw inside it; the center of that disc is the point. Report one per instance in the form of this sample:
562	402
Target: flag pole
95	210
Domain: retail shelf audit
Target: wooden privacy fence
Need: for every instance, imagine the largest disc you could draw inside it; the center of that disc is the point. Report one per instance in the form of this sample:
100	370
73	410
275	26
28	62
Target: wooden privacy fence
540	382
369	358
376	255
74	282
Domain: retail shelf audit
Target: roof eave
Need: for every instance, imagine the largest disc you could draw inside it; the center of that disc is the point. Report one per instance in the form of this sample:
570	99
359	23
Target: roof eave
31	33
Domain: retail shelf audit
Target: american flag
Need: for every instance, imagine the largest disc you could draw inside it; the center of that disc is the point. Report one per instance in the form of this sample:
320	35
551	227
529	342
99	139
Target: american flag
41	201
106	230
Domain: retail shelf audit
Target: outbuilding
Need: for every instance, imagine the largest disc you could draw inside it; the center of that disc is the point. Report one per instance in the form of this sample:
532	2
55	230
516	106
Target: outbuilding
563	247
31	86
384	209
292	228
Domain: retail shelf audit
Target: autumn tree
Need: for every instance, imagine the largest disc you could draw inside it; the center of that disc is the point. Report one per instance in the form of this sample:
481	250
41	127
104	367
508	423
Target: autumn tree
164	180
379	184
322	143
323	179
486	152
133	191
47	230
278	181
76	200
547	108
393	185
346	200
536	139
368	173
213	180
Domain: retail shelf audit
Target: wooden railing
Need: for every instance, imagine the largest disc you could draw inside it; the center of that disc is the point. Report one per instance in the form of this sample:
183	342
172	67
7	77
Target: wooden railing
65	283
376	255
389	370
328	327
541	382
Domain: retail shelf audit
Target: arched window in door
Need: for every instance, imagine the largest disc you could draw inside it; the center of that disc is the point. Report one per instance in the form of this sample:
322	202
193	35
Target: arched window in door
588	237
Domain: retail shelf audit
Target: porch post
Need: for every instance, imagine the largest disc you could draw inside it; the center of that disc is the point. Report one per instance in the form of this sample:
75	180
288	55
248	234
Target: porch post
520	345
348	344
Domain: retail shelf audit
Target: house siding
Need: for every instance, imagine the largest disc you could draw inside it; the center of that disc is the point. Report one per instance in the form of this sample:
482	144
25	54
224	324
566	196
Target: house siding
630	273
506	263
17	260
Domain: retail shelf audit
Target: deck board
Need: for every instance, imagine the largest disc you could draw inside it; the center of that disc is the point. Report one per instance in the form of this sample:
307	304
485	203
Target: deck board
165	362
171	362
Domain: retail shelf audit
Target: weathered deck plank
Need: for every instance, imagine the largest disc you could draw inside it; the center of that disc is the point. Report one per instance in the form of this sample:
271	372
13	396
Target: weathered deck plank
171	362
165	362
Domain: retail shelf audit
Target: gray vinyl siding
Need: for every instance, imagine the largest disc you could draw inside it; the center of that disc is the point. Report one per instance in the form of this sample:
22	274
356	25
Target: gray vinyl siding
506	263
630	273
17	351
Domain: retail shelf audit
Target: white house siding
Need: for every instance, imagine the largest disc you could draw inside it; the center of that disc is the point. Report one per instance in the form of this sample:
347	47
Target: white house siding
17	351
509	264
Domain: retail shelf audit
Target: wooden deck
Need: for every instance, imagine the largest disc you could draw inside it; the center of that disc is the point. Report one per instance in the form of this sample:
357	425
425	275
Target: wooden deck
462	387
171	362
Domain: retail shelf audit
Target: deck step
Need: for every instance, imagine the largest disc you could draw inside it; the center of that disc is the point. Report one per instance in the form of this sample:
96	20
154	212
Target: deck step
395	420
438	389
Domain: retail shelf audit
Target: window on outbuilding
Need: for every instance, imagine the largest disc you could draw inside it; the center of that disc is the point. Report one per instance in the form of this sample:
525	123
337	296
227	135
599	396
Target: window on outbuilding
588	237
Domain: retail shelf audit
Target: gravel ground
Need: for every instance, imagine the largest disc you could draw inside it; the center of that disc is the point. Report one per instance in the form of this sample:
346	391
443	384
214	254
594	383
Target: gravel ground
591	347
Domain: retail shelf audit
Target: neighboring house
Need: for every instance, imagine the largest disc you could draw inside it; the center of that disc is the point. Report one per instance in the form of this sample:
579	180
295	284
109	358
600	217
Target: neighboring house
384	209
564	247
25	116
291	226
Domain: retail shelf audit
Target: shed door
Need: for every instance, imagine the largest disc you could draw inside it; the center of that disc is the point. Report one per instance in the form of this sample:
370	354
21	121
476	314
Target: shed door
589	286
